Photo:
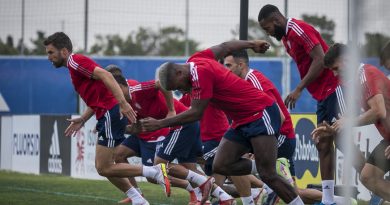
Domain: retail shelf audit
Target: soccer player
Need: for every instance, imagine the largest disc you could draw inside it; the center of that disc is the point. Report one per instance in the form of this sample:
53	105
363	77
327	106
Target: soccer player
104	98
306	46
375	96
256	118
238	62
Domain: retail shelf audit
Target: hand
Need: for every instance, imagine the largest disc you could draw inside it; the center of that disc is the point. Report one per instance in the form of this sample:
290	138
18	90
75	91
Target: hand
75	125
134	128
171	114
128	112
324	130
338	124
150	124
292	98
387	152
260	46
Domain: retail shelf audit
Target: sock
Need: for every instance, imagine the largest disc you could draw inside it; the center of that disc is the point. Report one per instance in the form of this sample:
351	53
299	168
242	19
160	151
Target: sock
221	194
149	172
189	187
255	192
196	178
254	169
135	197
139	190
198	193
267	189
247	200
327	191
296	201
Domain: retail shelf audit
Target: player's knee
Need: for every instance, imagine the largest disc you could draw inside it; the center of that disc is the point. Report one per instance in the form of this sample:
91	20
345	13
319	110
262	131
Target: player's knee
367	180
268	176
102	170
120	158
220	168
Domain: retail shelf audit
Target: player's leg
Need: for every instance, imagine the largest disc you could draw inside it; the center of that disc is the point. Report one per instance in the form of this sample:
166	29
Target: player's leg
243	186
372	175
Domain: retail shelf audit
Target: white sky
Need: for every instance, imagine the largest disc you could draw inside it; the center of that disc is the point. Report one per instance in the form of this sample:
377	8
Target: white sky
211	21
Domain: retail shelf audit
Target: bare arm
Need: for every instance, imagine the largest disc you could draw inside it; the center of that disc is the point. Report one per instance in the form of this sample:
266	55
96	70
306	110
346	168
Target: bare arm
112	85
191	115
376	111
223	49
315	69
168	99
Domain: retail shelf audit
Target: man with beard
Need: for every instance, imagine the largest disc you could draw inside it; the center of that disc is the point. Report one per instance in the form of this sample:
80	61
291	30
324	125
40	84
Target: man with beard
306	46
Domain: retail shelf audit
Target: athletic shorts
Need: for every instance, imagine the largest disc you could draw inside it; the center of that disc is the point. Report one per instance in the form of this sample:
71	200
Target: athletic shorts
145	150
268	124
209	149
183	144
377	156
286	149
331	108
111	128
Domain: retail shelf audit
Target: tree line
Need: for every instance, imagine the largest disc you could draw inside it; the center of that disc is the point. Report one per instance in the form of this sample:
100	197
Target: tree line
170	41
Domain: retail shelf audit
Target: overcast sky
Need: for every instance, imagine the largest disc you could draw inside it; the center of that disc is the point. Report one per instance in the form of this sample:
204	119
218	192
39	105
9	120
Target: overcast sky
211	21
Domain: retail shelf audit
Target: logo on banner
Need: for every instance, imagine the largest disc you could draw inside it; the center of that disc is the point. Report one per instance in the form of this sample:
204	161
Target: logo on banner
79	162
306	154
55	161
26	144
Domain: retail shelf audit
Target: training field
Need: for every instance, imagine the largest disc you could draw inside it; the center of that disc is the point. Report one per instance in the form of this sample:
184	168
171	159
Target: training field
25	189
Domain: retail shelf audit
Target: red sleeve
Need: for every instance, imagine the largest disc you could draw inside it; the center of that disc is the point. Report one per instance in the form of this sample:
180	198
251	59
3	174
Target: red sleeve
82	64
202	82
306	35
186	100
145	89
208	53
371	84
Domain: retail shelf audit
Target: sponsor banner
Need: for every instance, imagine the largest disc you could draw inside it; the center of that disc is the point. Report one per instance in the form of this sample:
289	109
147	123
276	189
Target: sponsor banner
6	143
83	152
306	157
26	144
55	147
366	138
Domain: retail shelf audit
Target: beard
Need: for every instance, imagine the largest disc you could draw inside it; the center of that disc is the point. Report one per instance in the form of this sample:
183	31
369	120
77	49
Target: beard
279	33
58	64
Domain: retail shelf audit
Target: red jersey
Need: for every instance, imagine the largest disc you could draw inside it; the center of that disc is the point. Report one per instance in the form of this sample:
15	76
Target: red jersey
299	40
374	82
148	101
259	81
240	101
94	93
213	124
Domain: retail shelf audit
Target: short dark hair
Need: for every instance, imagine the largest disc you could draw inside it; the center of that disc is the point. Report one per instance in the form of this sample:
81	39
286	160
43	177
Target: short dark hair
335	51
385	53
266	11
120	79
240	54
114	69
59	40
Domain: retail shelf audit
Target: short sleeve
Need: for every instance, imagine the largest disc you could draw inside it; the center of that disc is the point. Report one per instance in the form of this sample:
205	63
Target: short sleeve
82	64
145	89
307	36
371	85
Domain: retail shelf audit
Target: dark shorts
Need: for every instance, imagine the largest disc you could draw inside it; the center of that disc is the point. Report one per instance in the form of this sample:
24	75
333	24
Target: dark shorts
182	144
331	108
209	149
286	149
145	150
377	156
111	128
268	124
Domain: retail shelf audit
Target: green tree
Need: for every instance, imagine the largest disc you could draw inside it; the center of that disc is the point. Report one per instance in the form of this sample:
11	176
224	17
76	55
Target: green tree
374	44
38	47
323	25
7	47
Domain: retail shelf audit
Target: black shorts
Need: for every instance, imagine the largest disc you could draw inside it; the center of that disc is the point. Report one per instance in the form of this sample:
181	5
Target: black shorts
377	156
111	128
331	108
